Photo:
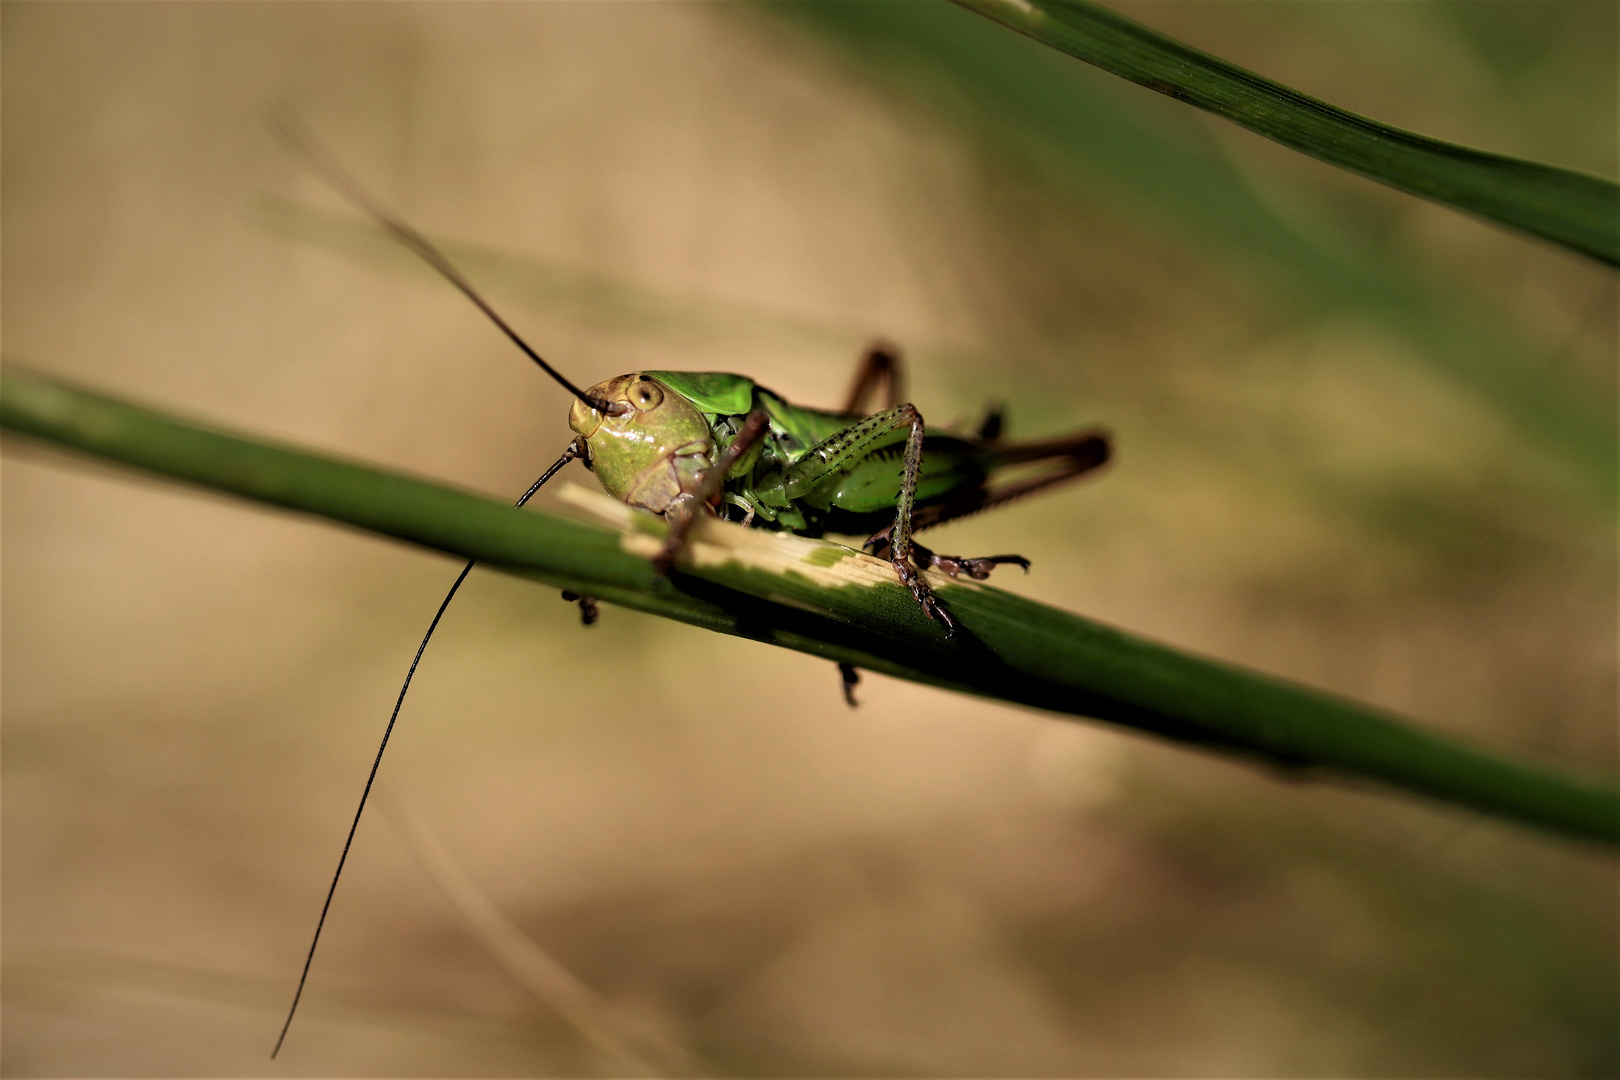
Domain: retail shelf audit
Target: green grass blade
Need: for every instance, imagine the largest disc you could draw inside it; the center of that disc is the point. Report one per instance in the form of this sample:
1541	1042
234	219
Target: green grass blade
1111	150
1575	210
834	603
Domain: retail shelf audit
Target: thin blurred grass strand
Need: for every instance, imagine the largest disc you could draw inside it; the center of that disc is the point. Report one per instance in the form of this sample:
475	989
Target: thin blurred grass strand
1014	93
536	970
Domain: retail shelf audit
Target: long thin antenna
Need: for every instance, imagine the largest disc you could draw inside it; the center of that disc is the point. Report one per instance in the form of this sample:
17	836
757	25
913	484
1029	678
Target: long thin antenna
574	450
301	142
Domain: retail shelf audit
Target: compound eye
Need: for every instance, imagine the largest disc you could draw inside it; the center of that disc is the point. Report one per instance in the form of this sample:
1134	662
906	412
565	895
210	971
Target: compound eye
644	394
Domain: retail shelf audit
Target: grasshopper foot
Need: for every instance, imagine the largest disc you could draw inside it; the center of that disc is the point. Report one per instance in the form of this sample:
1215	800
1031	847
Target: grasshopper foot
681	517
911	579
664	561
852	679
977	569
588	612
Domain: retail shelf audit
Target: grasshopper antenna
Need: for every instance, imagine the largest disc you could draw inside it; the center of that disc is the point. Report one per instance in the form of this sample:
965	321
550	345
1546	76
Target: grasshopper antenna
575	449
301	142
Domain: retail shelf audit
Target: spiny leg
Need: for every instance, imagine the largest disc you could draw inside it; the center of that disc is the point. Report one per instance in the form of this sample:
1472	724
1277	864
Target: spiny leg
900	531
1074	457
830	457
880	365
1069	458
682	518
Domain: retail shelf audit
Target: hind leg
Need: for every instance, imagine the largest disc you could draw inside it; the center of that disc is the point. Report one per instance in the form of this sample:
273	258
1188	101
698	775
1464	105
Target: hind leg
880	367
1070	458
839	452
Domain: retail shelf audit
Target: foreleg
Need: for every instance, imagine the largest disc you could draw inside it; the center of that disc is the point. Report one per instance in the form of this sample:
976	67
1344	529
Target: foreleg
682	516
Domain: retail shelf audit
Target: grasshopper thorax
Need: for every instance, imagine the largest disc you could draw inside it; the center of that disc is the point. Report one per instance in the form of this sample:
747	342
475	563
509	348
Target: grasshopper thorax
652	454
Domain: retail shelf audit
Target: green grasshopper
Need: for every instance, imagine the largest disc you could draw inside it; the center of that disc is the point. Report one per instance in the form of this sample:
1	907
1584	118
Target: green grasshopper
689	444
683	444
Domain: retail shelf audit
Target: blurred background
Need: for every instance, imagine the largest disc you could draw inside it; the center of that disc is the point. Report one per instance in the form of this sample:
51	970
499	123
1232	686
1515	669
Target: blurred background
1363	442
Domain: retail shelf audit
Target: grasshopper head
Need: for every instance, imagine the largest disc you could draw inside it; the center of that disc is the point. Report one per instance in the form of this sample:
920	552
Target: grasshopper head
653	453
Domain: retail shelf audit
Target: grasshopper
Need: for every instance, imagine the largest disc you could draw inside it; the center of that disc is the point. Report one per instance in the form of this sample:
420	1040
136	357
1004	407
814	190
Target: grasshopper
688	444
683	444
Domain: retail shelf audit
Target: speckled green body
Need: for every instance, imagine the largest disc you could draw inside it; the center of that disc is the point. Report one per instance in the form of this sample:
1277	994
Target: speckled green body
813	472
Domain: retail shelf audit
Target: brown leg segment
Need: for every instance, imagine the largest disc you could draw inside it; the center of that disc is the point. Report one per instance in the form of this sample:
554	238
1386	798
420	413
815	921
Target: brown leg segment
976	568
900	531
680	520
588	611
880	365
824	459
852	679
1072	458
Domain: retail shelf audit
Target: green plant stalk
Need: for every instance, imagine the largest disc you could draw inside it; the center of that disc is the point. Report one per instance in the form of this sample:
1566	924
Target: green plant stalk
1578	211
831	602
1087	135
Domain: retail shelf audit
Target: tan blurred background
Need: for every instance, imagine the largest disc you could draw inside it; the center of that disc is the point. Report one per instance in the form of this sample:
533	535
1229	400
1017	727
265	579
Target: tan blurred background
1356	448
